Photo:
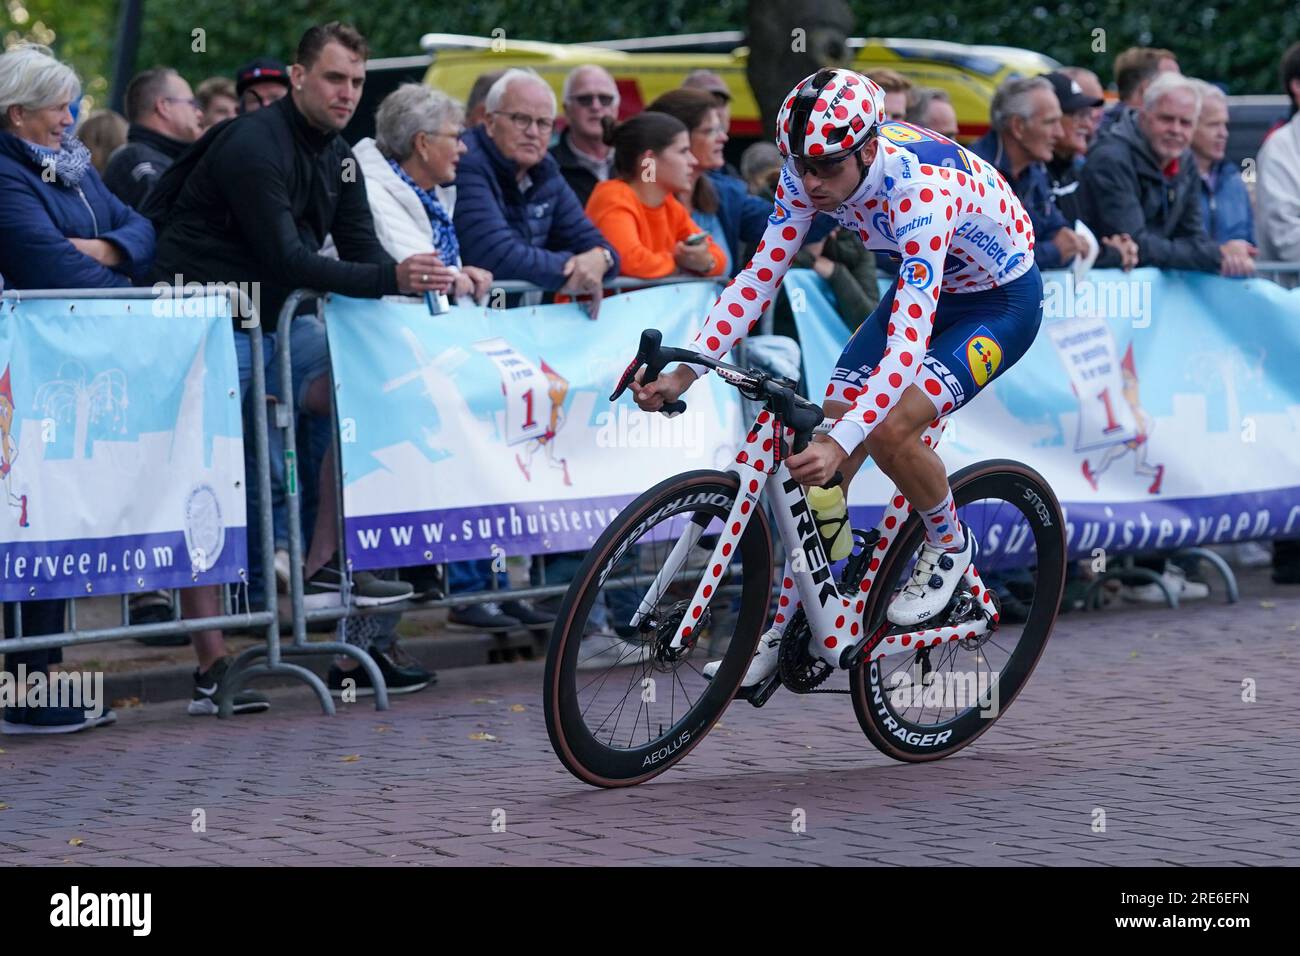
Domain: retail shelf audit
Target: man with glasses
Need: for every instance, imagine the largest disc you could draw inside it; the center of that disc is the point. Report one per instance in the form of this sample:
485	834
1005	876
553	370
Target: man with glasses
515	214
590	96
165	118
260	83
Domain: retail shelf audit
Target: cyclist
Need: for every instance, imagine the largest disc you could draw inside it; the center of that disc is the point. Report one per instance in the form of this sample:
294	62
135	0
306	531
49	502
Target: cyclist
966	307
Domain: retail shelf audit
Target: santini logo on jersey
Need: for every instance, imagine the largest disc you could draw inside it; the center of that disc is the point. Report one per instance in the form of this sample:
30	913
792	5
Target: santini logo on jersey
984	241
913	224
916	271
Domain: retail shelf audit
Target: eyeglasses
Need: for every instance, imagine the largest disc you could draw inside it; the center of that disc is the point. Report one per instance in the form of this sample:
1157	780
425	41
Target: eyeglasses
590	99
184	99
523	122
455	134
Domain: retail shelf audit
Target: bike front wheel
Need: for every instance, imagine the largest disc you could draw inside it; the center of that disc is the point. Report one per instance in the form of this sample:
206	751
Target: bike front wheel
622	706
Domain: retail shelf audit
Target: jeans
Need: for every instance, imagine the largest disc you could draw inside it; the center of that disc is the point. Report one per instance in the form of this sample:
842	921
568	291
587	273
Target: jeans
463	576
39	617
309	350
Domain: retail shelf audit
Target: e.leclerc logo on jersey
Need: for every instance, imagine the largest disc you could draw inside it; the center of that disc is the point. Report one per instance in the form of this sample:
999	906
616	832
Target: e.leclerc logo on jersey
1012	262
881	223
779	213
916	271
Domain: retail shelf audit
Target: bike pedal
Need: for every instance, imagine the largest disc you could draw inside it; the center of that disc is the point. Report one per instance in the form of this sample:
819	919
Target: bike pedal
758	694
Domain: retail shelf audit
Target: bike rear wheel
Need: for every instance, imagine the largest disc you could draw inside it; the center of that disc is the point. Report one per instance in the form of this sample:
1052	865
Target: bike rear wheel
935	699
635	707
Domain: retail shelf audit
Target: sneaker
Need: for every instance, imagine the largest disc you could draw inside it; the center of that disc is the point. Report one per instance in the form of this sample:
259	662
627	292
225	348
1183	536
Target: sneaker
207	685
369	590
763	664
45	720
934	578
1155	485
602	649
106	719
428	581
487	616
526	614
282	571
399	678
1251	554
322	589
1176	578
155	607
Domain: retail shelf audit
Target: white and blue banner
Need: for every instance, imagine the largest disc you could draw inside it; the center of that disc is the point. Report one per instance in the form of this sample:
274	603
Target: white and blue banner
1163	408
121	449
483	432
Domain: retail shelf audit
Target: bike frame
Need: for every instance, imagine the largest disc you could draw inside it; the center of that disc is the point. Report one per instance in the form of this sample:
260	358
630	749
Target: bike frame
835	620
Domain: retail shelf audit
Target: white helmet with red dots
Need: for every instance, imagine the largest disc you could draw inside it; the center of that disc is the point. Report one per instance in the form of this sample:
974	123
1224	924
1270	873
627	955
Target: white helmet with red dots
834	111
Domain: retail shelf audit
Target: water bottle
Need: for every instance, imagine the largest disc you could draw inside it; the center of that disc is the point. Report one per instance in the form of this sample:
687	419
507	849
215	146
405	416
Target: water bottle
831	512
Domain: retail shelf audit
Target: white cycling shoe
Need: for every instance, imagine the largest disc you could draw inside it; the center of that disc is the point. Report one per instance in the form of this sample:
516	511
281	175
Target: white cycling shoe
763	664
935	577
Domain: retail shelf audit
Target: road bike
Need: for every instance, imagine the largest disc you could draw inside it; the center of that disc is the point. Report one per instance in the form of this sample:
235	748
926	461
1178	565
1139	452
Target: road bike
685	575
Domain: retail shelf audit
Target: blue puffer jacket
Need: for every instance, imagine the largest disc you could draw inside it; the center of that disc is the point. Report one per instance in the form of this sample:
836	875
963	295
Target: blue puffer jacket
37	218
1226	210
516	234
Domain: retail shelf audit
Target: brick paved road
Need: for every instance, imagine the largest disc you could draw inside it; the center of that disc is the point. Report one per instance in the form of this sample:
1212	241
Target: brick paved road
1138	713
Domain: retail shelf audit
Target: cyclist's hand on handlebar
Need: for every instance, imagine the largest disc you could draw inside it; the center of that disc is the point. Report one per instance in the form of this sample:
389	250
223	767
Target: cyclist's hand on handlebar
817	463
668	387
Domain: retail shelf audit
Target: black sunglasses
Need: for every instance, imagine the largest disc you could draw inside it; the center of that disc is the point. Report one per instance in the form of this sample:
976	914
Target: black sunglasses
589	99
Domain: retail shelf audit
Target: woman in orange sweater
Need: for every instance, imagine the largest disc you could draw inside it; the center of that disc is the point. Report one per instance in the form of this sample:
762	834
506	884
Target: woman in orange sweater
637	211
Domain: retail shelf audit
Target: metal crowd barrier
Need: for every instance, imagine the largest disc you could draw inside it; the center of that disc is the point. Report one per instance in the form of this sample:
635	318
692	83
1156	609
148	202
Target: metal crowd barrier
1285	274
286	414
230	619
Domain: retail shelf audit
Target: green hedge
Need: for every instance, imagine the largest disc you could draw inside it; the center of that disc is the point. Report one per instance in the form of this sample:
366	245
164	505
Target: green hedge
1235	43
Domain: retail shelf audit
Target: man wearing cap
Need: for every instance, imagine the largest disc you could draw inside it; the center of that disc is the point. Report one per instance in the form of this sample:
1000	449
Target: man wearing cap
260	83
1077	118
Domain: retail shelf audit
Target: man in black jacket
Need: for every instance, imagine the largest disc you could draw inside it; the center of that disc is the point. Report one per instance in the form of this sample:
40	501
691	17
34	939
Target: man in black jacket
253	204
165	119
1141	179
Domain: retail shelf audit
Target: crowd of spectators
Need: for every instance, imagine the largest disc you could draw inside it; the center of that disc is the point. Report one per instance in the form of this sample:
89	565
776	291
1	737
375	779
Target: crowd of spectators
238	181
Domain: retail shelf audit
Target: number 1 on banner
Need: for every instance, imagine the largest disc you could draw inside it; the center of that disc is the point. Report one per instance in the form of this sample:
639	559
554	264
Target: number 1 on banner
521	381
1111	424
528	401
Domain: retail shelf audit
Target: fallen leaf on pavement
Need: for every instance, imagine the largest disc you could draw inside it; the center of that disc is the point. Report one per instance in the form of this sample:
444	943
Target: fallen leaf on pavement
479	735
517	708
352	758
76	841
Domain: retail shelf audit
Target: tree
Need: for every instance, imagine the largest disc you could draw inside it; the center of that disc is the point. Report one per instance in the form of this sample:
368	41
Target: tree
787	43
